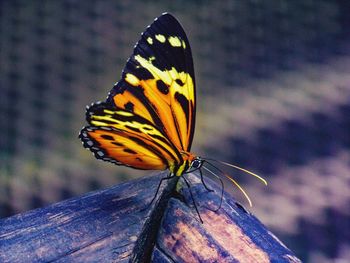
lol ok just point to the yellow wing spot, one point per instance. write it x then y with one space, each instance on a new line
150 40
98 119
132 79
174 41
183 44
99 123
160 38
125 113
174 74
168 75
108 111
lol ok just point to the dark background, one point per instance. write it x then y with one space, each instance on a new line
273 89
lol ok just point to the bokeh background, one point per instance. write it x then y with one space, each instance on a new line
273 87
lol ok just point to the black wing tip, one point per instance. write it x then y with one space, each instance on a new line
166 14
168 18
173 25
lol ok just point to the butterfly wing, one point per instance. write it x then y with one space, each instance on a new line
117 147
123 138
158 81
148 117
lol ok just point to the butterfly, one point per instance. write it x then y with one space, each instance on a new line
148 119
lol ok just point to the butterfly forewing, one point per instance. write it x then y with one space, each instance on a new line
158 81
148 118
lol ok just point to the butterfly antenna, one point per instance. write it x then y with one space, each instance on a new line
222 186
194 202
233 181
239 168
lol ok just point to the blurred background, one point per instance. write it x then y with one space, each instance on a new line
273 87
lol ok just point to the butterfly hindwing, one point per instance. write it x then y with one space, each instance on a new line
124 138
115 146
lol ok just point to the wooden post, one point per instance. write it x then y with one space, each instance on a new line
118 225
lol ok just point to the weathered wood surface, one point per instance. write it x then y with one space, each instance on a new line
116 225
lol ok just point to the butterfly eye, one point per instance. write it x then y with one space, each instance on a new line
196 163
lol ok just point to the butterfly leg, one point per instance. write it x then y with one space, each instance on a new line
204 184
211 190
221 196
169 176
222 185
194 202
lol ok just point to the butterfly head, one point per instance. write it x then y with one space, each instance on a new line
196 163
190 164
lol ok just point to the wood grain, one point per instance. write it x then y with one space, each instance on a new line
118 225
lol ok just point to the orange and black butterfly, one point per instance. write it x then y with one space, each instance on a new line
148 119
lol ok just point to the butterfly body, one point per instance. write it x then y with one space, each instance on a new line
148 119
